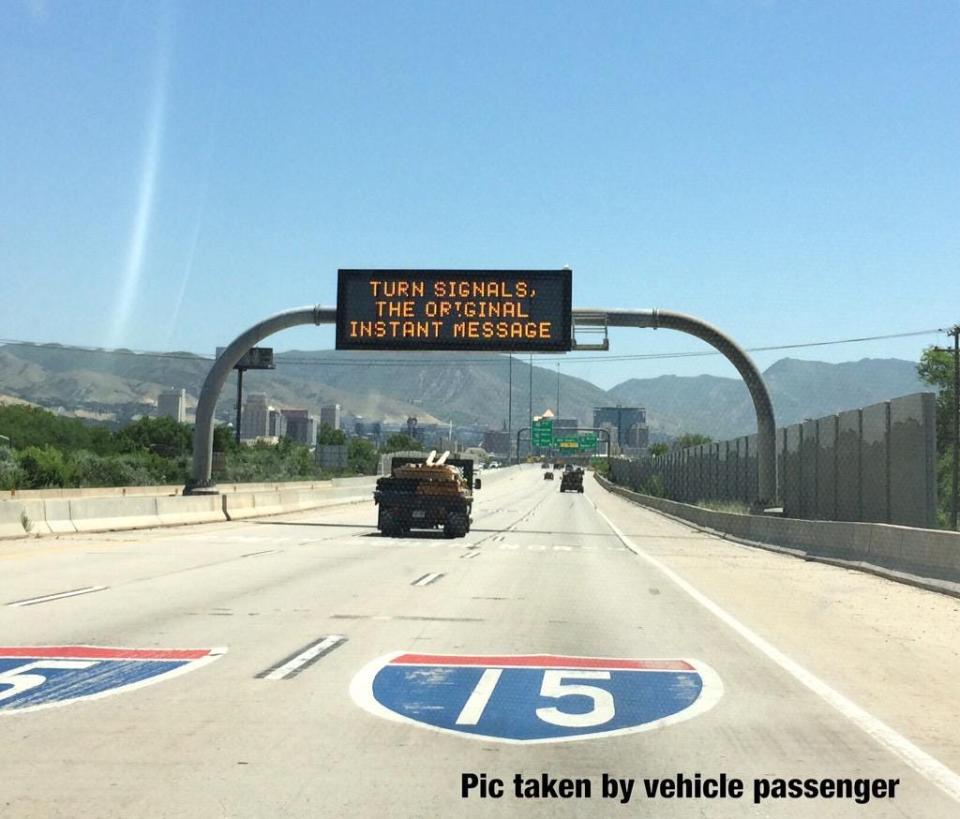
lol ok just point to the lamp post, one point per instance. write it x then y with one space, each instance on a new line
955 501
558 390
510 409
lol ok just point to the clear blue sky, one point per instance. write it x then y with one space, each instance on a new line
172 172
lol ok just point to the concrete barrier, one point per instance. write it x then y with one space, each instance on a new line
54 512
191 509
104 514
929 558
21 518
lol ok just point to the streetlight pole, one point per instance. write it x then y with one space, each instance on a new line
510 409
239 400
530 419
955 500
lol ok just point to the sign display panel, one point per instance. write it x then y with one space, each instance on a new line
256 358
456 310
542 432
588 440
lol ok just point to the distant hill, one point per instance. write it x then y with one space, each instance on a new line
435 387
721 407
441 387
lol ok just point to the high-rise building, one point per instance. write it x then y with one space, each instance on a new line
173 404
301 426
255 420
277 423
330 415
496 441
627 425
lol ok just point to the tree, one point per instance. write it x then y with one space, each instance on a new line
361 457
32 426
692 439
162 436
936 369
42 468
328 436
399 442
659 449
224 439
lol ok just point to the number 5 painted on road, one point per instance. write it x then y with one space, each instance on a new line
20 682
554 686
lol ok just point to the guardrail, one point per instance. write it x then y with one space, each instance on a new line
929 558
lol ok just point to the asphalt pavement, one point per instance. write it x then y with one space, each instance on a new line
336 672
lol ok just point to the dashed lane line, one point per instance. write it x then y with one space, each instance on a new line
47 598
303 659
427 579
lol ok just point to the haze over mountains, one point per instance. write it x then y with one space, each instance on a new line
442 387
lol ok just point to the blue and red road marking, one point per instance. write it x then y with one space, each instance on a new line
33 677
535 697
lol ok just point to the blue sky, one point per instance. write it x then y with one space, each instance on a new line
174 172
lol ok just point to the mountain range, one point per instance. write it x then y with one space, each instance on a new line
118 385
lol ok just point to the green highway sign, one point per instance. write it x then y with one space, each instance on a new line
567 441
576 441
541 434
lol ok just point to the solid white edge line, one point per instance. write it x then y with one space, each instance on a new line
923 763
58 596
304 657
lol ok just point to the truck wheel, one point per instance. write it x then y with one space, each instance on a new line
457 525
387 523
580 490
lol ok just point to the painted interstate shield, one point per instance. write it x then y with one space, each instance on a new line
33 677
535 697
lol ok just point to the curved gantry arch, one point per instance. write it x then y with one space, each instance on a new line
200 482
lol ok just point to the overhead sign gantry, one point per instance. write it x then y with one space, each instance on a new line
482 310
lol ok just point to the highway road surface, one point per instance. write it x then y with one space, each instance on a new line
305 666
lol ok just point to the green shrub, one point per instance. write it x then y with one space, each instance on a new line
43 468
654 487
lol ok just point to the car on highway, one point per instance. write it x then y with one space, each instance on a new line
548 475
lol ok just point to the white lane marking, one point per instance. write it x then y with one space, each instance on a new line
923 763
313 652
427 579
58 596
477 702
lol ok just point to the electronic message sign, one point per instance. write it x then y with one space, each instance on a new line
511 310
